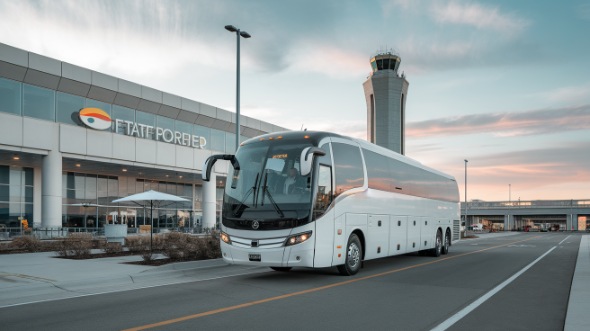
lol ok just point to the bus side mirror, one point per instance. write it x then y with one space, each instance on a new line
206 175
307 161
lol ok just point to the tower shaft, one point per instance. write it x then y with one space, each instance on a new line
386 93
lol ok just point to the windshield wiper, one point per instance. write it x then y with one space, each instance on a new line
266 191
242 206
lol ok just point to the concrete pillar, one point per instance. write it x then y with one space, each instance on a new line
37 196
574 222
51 210
508 222
209 202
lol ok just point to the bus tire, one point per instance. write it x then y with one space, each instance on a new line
446 243
281 269
354 256
437 245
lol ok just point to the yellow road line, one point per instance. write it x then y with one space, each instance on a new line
311 290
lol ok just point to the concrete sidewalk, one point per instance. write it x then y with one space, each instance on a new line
34 277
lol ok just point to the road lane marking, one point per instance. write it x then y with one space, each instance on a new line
311 290
465 311
564 240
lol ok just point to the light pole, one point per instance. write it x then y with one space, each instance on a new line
239 34
466 192
509 193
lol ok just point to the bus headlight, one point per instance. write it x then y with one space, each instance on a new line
225 238
298 238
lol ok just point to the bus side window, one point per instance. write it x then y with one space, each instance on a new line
348 167
324 196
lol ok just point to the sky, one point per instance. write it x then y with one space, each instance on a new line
502 84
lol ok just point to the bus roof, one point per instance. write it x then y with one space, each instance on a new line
315 137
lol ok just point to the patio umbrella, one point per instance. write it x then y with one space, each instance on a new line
151 196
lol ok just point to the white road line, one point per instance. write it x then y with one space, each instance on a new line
564 239
458 316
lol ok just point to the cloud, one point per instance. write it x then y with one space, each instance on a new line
450 35
129 37
555 171
329 60
505 124
533 171
568 94
477 15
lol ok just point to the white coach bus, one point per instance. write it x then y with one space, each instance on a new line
317 199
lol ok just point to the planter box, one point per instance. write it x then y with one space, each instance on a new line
115 233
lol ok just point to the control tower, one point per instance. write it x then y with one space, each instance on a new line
386 93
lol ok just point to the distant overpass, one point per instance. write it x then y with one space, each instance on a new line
535 215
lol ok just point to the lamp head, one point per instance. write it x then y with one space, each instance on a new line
231 28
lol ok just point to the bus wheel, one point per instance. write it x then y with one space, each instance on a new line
282 269
447 243
437 245
354 255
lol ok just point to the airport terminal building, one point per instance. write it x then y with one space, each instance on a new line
72 140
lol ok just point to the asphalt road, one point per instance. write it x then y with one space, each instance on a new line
529 275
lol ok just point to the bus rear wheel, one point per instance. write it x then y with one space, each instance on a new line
282 269
447 243
436 251
354 256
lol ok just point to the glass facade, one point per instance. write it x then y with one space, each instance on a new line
67 106
16 195
87 202
38 102
10 96
217 142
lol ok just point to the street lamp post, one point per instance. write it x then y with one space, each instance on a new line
239 34
466 192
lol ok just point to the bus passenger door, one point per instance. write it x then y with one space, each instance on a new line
398 232
324 219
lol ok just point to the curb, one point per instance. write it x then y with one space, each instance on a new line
577 308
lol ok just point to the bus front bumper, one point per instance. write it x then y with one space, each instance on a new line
300 255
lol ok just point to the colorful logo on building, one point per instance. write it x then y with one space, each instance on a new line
95 118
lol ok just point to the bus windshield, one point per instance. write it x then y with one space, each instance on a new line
268 188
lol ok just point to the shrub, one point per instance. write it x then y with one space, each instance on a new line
181 246
213 250
197 249
136 244
112 248
76 245
26 243
147 255
176 246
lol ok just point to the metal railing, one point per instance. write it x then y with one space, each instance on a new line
527 204
8 233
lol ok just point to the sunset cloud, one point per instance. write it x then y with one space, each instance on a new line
505 124
554 170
